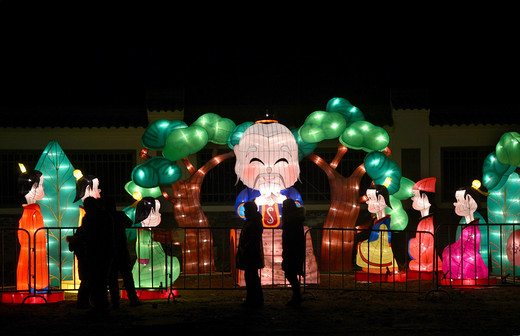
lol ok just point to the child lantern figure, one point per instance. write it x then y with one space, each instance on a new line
375 254
151 269
421 248
462 259
32 271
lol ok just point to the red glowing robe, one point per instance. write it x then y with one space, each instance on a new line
31 221
421 248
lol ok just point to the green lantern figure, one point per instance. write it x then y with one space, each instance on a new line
152 269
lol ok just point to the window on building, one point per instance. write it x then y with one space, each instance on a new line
460 166
114 169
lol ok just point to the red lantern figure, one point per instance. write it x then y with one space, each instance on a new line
422 248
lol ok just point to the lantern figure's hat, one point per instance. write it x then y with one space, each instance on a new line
266 118
427 184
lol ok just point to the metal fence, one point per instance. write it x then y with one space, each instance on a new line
158 263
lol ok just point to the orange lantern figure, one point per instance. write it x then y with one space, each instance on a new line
422 248
33 270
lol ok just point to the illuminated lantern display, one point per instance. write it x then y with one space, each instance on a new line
59 212
267 162
462 260
513 248
33 270
503 202
177 141
421 248
151 269
346 122
375 254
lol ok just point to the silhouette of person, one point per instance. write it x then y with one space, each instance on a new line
293 247
99 239
121 263
250 254
86 186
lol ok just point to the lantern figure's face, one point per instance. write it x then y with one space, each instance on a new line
154 218
464 206
95 191
39 192
420 202
375 204
267 158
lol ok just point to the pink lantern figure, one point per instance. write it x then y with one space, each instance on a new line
462 259
421 248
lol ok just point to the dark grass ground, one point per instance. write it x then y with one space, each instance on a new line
485 311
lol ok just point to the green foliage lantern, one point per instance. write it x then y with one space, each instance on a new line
217 128
383 171
304 148
155 172
237 133
131 188
350 112
508 149
322 125
495 172
399 217
364 136
58 210
182 142
157 133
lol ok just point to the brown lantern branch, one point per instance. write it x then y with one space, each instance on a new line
337 245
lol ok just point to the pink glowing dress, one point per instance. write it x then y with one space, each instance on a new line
462 259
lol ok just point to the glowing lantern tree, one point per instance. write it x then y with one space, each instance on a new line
501 178
58 210
177 141
341 120
346 122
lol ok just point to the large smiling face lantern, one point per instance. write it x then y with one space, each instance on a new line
267 163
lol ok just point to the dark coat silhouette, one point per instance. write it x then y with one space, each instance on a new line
250 255
293 238
293 247
121 263
98 231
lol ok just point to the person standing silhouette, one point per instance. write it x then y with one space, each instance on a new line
293 245
121 263
250 255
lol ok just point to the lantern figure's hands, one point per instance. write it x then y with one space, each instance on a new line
270 199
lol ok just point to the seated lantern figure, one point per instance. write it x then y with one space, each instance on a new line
375 254
421 248
33 270
151 269
462 259
267 163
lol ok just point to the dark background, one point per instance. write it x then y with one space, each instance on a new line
94 53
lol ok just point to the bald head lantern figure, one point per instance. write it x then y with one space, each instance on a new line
267 163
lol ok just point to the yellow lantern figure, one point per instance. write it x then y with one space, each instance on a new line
375 255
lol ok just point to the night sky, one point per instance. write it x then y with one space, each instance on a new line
94 54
